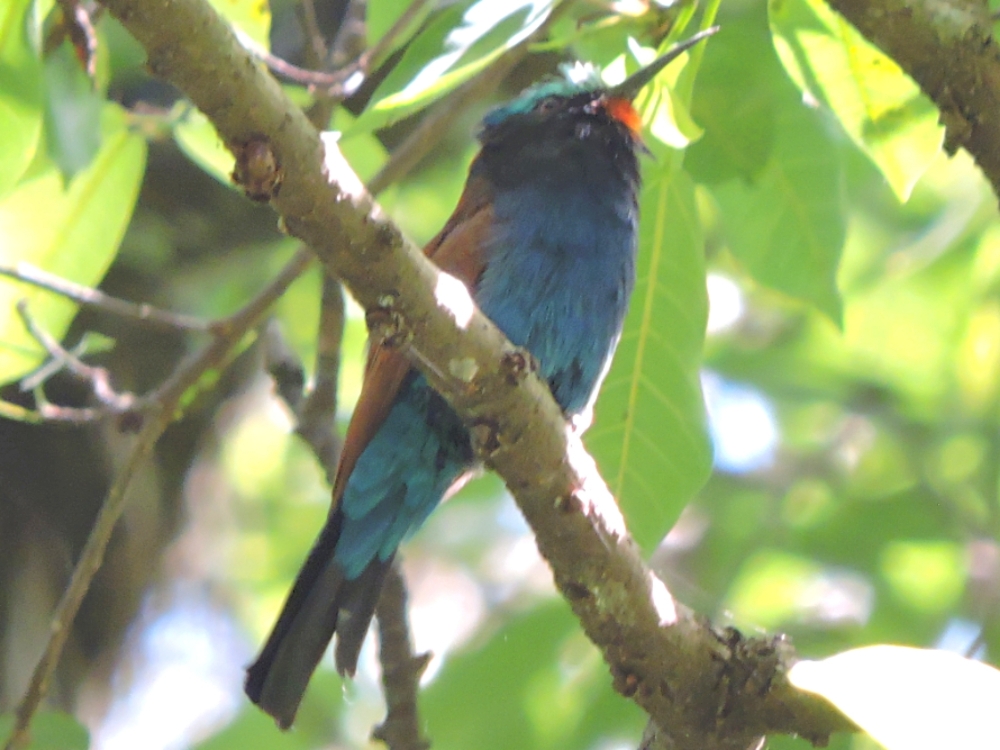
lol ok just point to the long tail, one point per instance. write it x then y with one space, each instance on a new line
322 602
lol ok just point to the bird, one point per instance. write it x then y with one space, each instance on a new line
545 238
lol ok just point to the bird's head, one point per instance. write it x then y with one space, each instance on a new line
575 103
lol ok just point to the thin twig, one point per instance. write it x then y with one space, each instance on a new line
332 81
977 643
94 299
310 27
19 413
97 377
284 367
51 366
78 24
349 41
335 83
401 669
48 413
159 413
318 410
374 55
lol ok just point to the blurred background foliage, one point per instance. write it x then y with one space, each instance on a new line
843 488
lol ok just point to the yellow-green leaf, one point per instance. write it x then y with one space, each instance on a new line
649 435
788 227
21 89
252 17
880 107
70 230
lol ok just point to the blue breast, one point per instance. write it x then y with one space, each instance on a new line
560 269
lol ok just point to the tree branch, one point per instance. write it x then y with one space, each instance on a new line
947 47
95 299
710 689
401 669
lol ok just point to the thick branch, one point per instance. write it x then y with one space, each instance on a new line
711 689
947 46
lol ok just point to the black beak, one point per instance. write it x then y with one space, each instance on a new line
631 86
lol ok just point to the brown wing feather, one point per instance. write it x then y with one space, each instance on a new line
455 249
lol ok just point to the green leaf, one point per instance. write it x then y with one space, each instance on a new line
73 112
21 89
72 231
380 15
54 730
198 138
649 436
506 665
252 17
446 55
770 588
880 107
50 730
536 683
788 227
926 575
909 698
739 83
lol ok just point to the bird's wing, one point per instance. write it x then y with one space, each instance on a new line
457 249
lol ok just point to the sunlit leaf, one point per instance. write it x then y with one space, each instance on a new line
21 89
72 231
788 226
927 575
908 698
649 434
905 331
252 17
880 107
445 55
772 588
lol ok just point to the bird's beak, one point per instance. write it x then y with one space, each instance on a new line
631 86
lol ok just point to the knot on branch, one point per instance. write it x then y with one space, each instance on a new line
515 365
485 438
386 324
257 169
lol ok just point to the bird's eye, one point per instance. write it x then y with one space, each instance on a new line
549 104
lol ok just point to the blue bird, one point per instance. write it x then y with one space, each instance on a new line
544 236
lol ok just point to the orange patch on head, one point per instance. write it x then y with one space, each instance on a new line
623 111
